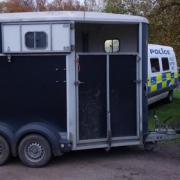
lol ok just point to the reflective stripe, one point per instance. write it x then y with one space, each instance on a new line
164 84
176 75
172 81
168 76
162 81
153 88
159 78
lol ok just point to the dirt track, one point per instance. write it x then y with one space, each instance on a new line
121 163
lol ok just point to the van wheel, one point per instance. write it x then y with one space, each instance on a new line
34 151
4 150
169 98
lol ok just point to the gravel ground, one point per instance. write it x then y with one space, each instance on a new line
121 163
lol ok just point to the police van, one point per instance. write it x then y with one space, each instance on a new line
162 73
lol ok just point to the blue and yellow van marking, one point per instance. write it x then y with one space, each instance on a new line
162 81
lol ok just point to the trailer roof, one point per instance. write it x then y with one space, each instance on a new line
78 16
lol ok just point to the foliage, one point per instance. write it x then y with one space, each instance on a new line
71 5
163 15
22 5
40 5
165 24
164 110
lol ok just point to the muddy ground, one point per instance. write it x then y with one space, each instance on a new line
120 163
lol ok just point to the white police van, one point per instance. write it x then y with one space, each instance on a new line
162 73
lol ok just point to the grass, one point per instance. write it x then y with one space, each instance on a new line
164 111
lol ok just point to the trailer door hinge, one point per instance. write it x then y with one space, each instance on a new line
138 58
72 47
77 83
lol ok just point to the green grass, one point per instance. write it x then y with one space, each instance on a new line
164 110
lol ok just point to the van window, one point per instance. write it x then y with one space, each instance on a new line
154 65
165 64
36 40
112 46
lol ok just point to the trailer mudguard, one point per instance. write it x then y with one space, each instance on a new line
7 132
45 129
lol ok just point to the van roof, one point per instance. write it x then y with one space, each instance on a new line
158 46
79 16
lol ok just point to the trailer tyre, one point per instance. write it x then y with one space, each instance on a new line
34 151
4 150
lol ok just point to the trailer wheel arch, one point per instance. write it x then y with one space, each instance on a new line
45 130
5 150
6 136
7 132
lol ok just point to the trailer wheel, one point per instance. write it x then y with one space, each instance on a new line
4 150
34 151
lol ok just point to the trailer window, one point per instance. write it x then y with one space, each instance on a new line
36 40
112 46
165 64
155 65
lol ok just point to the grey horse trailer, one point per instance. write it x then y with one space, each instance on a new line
72 81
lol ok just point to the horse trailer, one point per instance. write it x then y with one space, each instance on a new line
162 73
72 81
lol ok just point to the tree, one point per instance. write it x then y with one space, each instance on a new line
163 16
133 7
23 6
165 24
40 5
71 5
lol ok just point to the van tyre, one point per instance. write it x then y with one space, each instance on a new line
169 99
34 151
4 150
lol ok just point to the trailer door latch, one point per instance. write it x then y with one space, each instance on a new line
77 83
137 81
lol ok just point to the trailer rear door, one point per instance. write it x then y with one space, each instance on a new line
107 97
